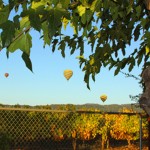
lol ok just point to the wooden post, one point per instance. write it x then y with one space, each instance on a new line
148 133
140 132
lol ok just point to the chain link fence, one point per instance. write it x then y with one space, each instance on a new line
36 129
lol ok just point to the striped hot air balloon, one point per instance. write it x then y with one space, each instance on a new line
6 75
103 97
68 74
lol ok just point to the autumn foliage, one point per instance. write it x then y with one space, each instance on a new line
74 125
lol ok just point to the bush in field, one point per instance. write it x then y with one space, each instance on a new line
104 128
86 126
5 141
145 130
89 126
126 127
61 125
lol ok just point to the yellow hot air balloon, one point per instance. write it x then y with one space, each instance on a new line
68 74
103 97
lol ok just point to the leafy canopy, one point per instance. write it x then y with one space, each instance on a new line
108 26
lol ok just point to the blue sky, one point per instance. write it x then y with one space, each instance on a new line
47 85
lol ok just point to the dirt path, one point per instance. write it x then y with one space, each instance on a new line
133 147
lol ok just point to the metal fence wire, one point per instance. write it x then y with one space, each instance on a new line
36 129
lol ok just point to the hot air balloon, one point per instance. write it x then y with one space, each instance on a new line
6 75
103 97
68 74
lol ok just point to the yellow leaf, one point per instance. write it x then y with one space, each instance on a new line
81 10
92 61
35 5
95 28
65 22
74 29
93 6
98 35
24 22
80 57
147 49
99 14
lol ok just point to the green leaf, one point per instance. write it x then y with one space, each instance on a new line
7 54
121 14
92 39
123 51
1 4
131 67
86 17
27 60
62 47
114 12
129 9
93 76
81 45
35 20
54 43
83 19
132 64
124 62
16 8
137 32
138 10
46 38
65 3
72 45
117 71
55 2
8 33
139 59
84 32
23 43
86 79
143 22
4 14
89 15
54 20
16 22
74 24
24 5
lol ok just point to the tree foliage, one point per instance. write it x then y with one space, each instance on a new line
108 26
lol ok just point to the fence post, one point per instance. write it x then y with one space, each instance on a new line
148 133
140 122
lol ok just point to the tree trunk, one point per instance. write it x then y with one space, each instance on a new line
74 144
103 144
108 143
145 97
129 142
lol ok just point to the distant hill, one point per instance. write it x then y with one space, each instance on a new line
112 107
88 106
106 108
